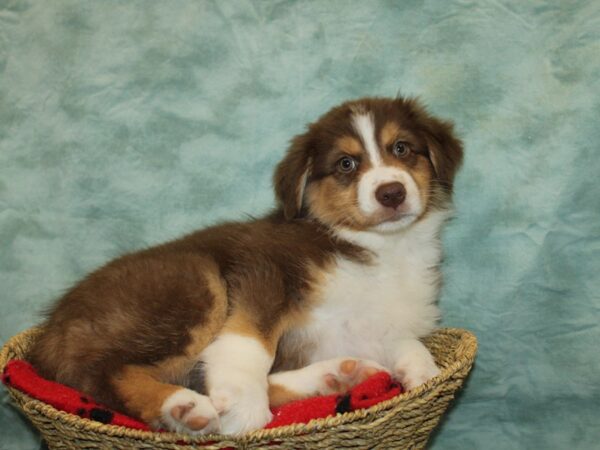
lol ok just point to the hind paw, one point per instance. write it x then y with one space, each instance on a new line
186 411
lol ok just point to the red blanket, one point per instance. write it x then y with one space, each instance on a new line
22 376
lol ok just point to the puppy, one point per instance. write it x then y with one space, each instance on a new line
338 282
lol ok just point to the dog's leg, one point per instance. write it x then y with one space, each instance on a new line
333 376
236 366
164 405
413 365
152 391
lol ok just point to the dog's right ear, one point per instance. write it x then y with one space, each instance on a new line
291 176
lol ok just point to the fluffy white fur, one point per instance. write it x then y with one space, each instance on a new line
365 127
413 365
379 311
236 369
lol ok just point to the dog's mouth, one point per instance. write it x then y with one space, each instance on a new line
394 218
402 212
400 217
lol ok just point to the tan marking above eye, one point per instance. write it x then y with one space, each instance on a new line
389 133
349 145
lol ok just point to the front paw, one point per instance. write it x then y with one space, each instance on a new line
414 370
342 374
241 409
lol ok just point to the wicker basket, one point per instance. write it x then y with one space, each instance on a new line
405 421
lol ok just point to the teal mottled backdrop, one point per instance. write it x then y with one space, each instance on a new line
124 124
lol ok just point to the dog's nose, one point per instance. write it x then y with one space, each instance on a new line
390 195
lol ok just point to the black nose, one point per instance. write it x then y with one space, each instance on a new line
390 195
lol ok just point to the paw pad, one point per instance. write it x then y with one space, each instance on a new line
348 366
347 373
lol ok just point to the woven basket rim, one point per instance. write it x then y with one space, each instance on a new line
30 404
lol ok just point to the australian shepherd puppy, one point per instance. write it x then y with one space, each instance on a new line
338 282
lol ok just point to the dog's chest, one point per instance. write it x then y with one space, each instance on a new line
365 308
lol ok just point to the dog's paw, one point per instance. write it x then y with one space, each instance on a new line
241 409
340 375
186 411
414 369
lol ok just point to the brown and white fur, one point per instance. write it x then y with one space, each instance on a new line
338 282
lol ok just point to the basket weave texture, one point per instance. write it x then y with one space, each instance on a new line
405 421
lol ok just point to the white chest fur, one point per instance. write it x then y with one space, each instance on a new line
366 309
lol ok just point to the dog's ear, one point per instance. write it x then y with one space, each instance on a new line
445 151
291 176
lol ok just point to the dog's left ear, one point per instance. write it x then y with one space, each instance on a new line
292 175
445 151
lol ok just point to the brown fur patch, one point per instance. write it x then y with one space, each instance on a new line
349 145
422 176
142 393
246 322
293 351
242 323
334 204
389 133
140 310
291 176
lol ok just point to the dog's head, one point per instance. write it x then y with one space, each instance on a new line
371 164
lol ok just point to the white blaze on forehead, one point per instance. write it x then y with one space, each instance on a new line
380 174
365 127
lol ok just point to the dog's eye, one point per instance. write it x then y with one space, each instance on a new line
346 164
401 149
